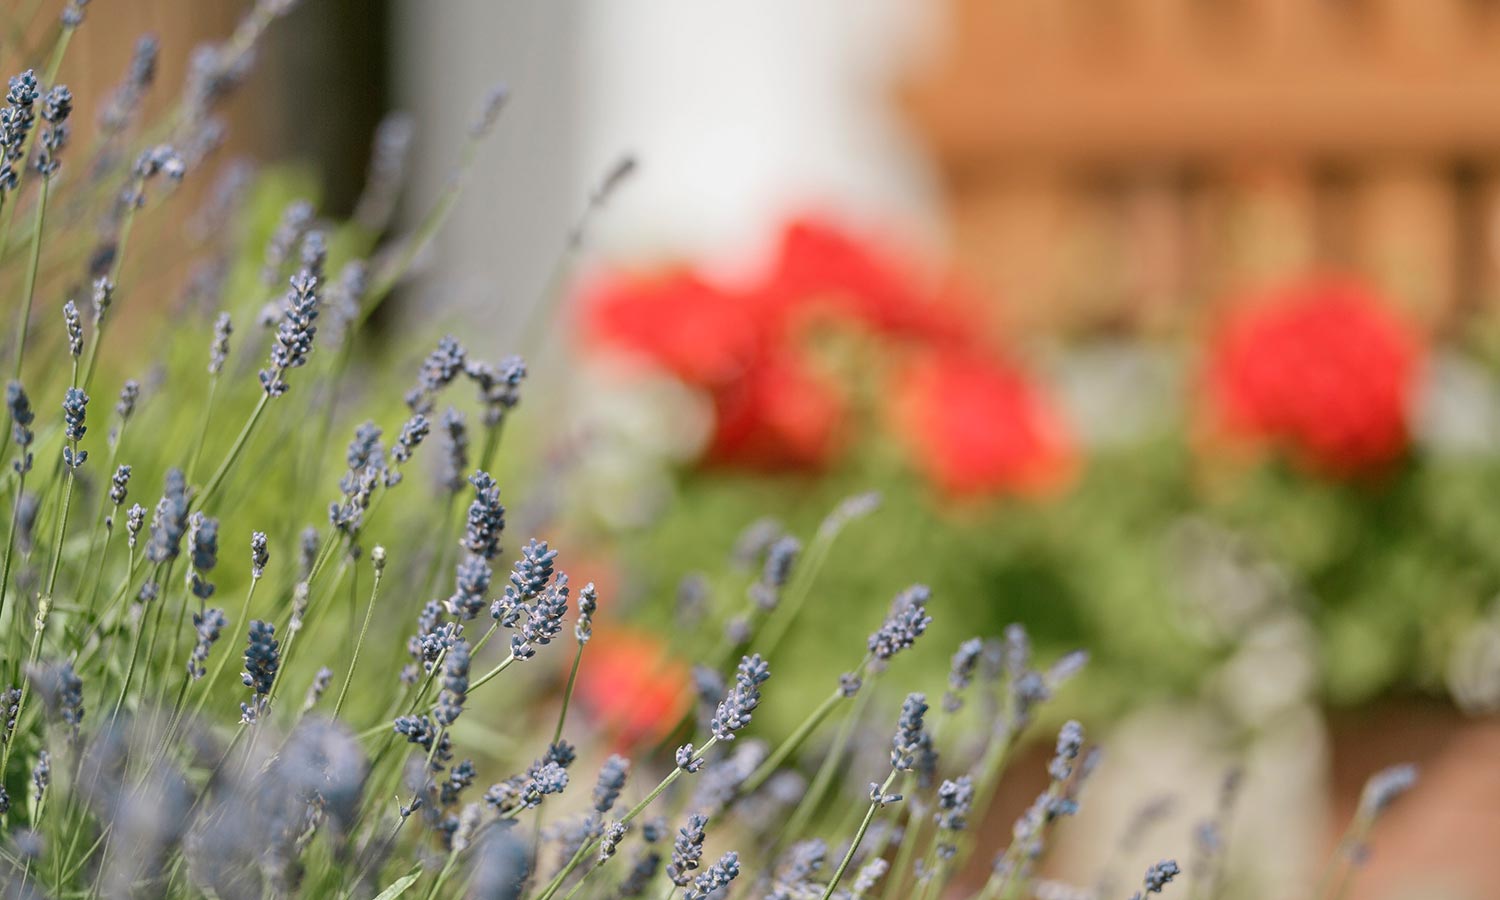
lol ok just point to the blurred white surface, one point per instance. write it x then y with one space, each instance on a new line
740 113
743 112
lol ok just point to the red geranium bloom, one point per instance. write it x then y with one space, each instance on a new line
1319 368
820 267
780 415
978 425
630 684
742 344
702 333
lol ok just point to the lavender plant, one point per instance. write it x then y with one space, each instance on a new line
132 763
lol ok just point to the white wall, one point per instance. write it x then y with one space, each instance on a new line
739 113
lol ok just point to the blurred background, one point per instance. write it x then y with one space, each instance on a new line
1167 327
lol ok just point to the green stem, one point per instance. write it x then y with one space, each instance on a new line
135 648
62 527
786 614
864 826
39 625
99 516
10 543
790 745
831 763
208 411
447 870
491 446
562 715
29 292
359 643
234 452
218 670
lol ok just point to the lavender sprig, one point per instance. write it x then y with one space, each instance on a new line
294 334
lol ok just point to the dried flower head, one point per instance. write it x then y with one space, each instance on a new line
218 351
73 323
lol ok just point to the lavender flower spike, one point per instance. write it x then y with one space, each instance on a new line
733 712
294 336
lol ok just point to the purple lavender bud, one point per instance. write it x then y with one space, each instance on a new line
73 323
203 549
420 730
56 107
21 417
321 680
486 518
439 369
294 335
499 386
455 684
75 409
961 672
119 485
169 522
135 519
471 582
718 877
208 624
777 571
1159 876
104 295
609 842
262 659
41 774
454 432
687 850
734 711
130 393
588 603
260 555
218 351
686 761
61 690
1069 745
489 111
907 622
611 782
296 219
1384 787
908 742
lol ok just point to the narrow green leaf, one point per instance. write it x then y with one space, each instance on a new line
399 886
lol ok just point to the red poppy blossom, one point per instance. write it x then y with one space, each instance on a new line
978 425
1319 368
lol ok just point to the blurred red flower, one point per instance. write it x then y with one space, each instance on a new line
781 415
978 425
823 269
631 685
982 425
1320 368
703 333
